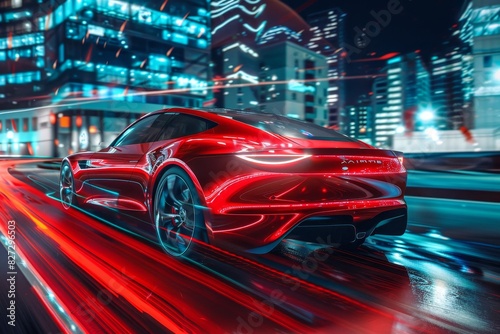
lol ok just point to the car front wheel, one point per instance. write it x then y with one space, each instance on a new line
67 186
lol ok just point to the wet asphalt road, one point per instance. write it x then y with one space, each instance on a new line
442 276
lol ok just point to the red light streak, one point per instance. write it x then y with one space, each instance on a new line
124 24
183 19
47 21
163 5
384 57
88 57
9 40
237 68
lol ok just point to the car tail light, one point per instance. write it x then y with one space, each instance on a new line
400 157
273 159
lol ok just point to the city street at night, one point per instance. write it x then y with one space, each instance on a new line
82 272
250 166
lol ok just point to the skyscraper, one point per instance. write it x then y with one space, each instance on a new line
399 96
485 27
293 85
236 27
239 28
360 120
448 100
327 29
74 73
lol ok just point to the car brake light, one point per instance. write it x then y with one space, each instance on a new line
273 159
400 157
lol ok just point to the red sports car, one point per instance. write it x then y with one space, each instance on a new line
246 179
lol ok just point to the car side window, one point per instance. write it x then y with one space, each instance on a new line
144 131
185 125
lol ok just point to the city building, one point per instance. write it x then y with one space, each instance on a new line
236 27
485 26
448 106
327 28
360 120
399 97
239 30
236 76
467 40
478 126
74 73
293 82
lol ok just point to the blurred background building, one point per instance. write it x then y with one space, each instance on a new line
327 28
485 21
295 82
74 73
361 120
465 111
402 90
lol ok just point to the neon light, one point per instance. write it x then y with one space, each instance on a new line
222 25
232 46
245 76
255 30
218 12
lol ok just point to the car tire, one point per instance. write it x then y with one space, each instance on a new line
178 216
67 186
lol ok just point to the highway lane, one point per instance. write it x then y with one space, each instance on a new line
423 282
458 180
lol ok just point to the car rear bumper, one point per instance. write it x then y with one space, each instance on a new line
261 233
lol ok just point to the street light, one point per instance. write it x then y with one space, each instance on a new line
426 115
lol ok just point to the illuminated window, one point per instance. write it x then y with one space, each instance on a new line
26 125
16 3
17 16
59 15
68 8
64 121
159 63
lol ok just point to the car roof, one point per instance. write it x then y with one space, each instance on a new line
217 114
221 112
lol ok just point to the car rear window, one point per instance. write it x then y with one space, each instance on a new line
288 127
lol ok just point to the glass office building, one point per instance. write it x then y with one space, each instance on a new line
74 73
327 28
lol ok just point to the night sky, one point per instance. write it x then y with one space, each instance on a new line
421 25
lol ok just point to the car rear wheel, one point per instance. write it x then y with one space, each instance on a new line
67 186
177 212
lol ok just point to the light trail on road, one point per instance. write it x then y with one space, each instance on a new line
107 280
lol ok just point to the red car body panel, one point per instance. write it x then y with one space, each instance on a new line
257 187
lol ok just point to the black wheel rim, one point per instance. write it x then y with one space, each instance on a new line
175 215
66 186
